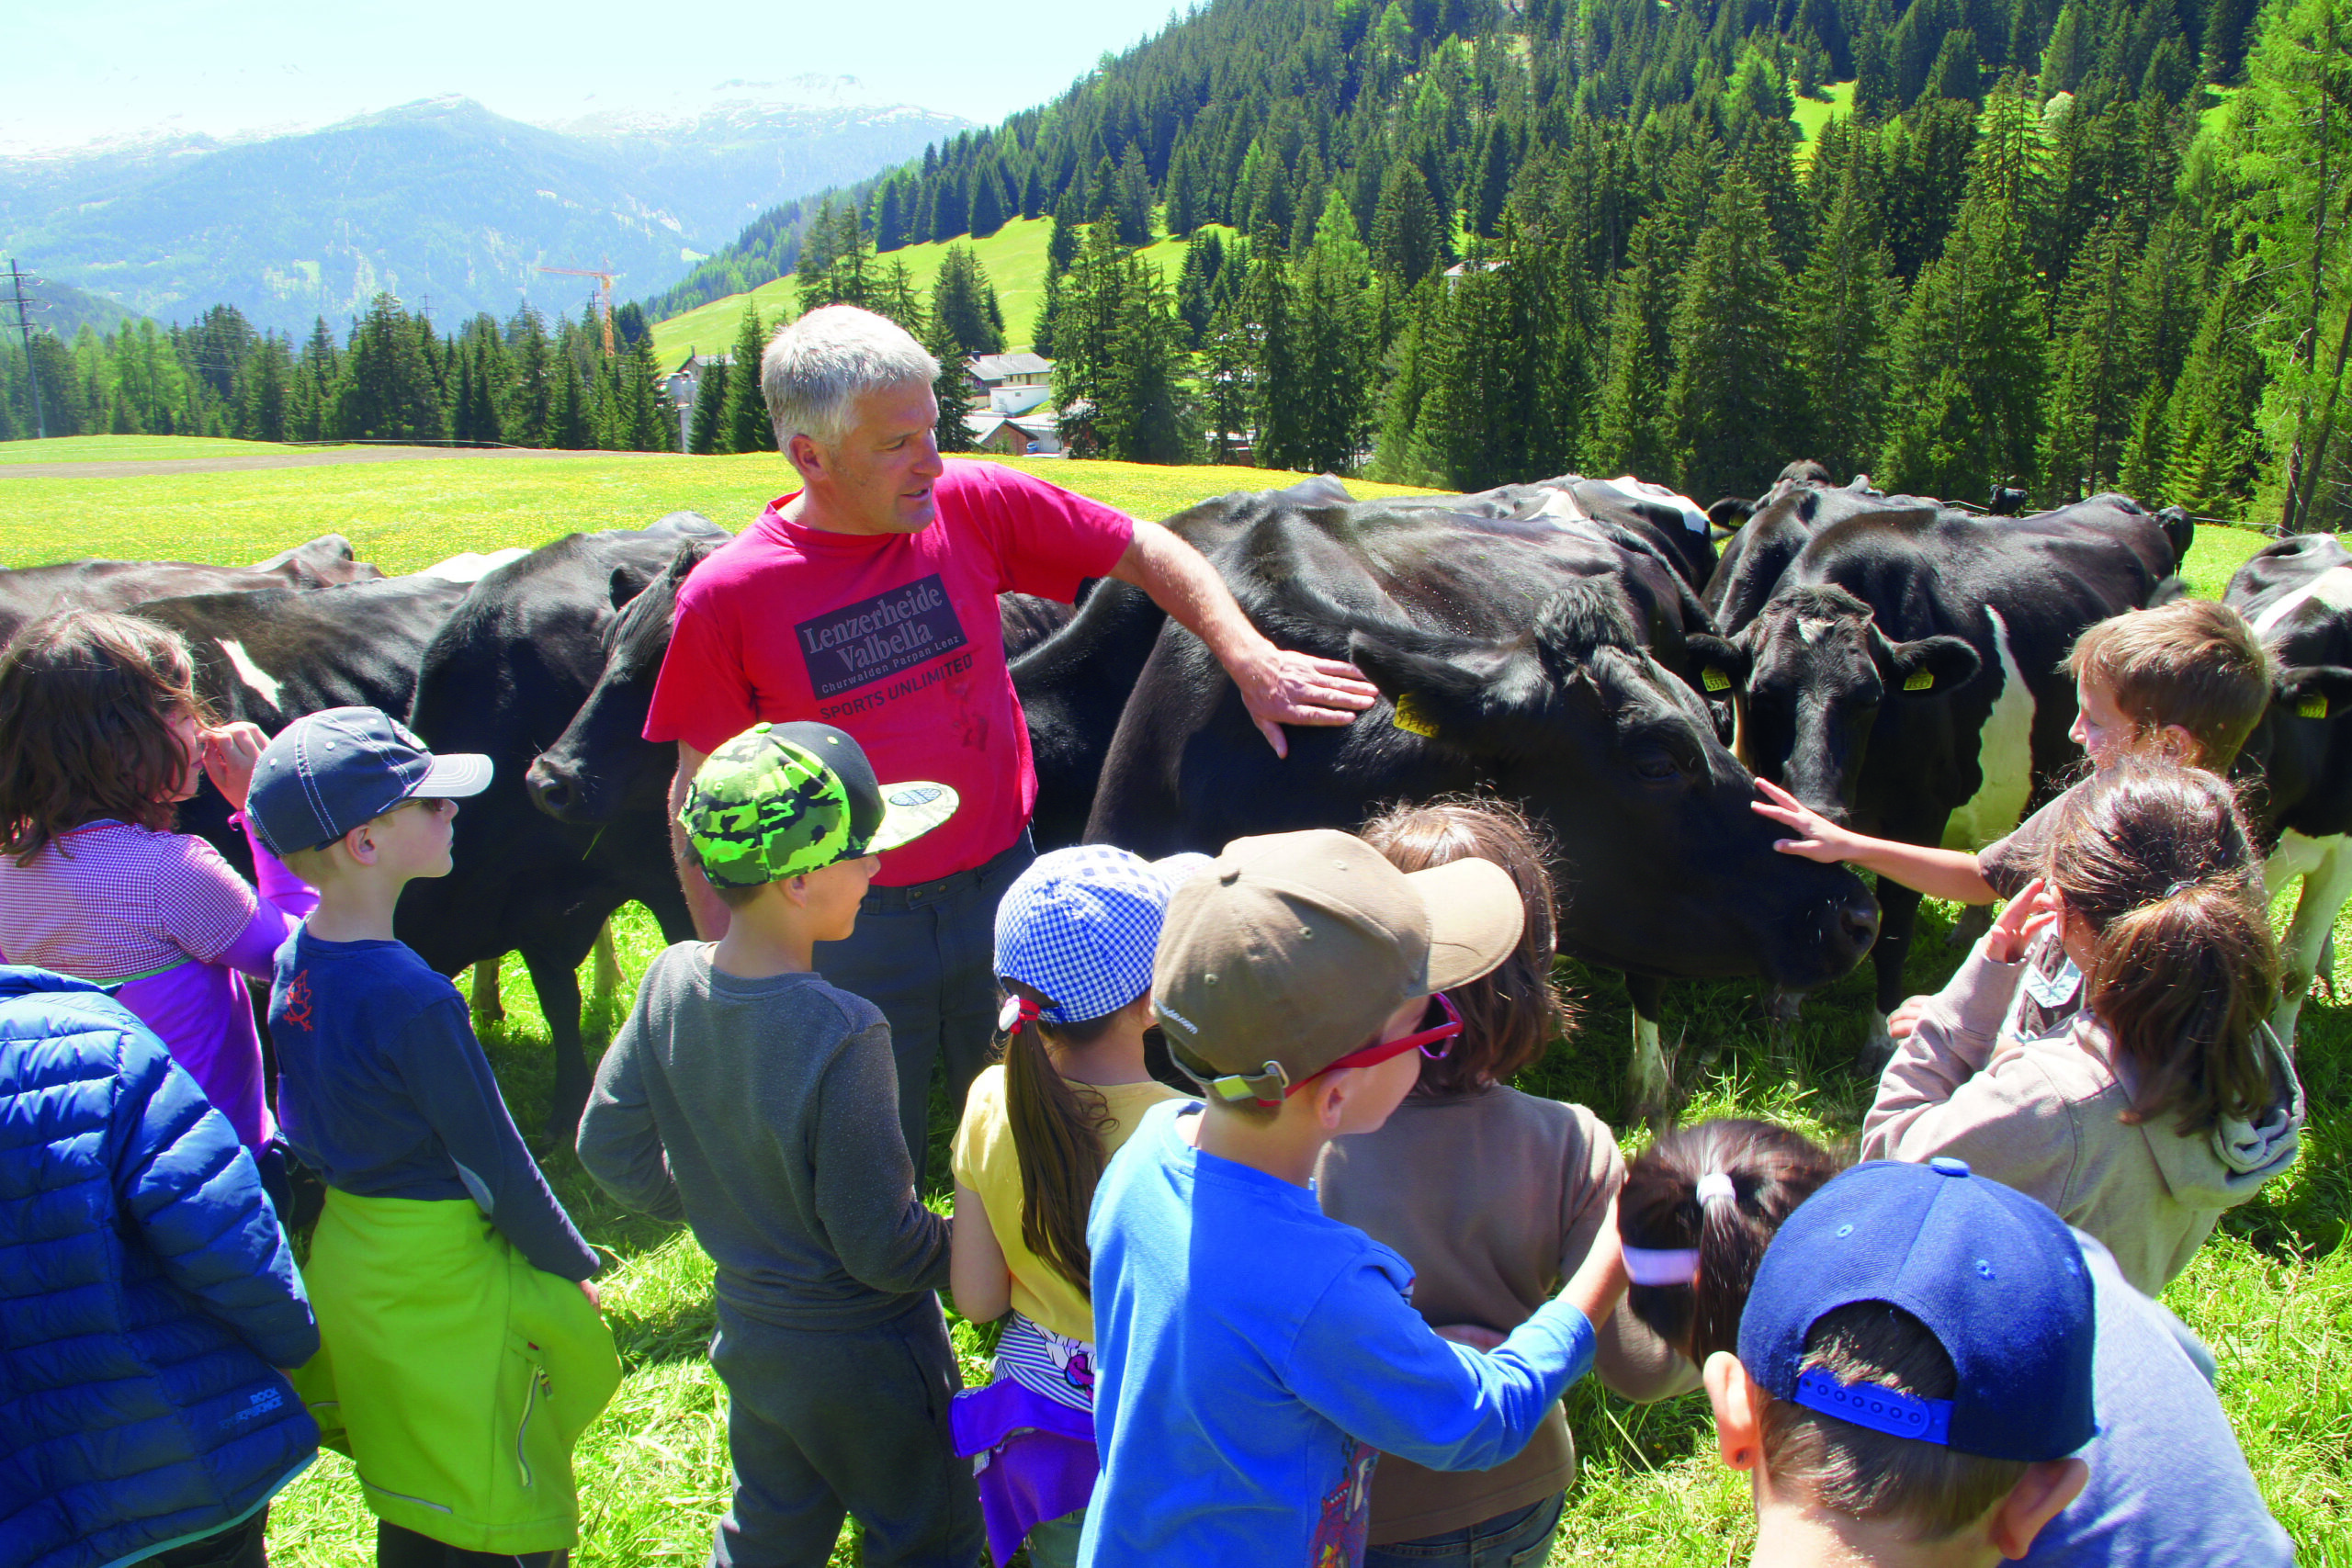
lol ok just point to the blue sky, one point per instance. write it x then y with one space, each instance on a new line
91 69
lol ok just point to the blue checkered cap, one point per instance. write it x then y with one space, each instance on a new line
1082 926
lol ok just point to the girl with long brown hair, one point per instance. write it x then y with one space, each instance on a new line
2167 1099
1074 940
101 737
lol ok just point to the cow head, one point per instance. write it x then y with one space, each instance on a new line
602 764
1577 720
1809 677
2309 717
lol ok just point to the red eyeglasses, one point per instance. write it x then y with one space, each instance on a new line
1379 1051
1272 1086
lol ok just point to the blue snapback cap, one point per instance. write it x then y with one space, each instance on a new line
1082 926
1994 1276
328 772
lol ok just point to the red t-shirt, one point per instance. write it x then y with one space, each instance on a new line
894 638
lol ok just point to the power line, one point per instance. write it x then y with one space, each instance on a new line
18 278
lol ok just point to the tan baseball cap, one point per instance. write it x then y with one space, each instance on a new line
1291 950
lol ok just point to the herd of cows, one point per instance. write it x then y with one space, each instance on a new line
1593 649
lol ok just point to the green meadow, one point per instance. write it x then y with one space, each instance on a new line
2271 1293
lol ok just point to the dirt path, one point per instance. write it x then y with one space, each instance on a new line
129 468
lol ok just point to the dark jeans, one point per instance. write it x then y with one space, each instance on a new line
1521 1539
821 1424
399 1548
926 956
239 1546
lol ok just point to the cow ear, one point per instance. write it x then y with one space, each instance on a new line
1932 666
626 583
2312 691
1723 665
1452 698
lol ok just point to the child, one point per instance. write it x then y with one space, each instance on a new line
2167 1099
1075 937
760 1104
1255 1354
1494 1197
445 1339
2186 681
2167 1481
101 737
148 1295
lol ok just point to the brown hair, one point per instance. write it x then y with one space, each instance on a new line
1057 1128
2156 860
86 699
1865 1474
1511 1015
1773 1171
2193 663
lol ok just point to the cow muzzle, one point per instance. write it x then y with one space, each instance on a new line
556 791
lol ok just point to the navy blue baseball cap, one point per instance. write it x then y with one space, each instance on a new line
328 772
1994 1275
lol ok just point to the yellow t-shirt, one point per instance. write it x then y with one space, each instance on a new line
985 1161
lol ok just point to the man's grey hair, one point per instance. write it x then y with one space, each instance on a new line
816 368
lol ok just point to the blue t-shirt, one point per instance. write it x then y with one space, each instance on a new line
383 1090
1253 1357
2168 1482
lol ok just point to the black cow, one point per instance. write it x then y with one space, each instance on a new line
1532 659
2006 501
503 676
27 593
1906 676
2297 594
1779 527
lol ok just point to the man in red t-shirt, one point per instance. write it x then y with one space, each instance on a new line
868 601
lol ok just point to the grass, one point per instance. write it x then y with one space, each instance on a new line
1013 257
2271 1293
405 516
131 448
1813 115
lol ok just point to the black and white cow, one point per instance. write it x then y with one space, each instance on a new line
1536 659
1751 565
1907 677
27 593
2297 594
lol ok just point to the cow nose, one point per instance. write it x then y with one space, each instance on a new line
551 791
1856 920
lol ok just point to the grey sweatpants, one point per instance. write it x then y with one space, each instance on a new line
926 956
824 1423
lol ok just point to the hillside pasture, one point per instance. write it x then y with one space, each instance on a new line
2271 1293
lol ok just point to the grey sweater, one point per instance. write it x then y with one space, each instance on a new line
766 1115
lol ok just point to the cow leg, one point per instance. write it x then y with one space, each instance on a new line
2326 868
555 976
606 979
488 1008
1898 914
1649 1078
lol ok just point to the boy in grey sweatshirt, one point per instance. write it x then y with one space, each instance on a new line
760 1104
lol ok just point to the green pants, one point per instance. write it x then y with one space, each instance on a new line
455 1374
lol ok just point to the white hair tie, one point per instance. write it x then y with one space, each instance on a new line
1713 1185
1660 1265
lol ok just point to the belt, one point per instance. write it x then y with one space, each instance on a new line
888 900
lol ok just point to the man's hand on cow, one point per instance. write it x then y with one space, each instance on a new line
1819 838
1281 687
230 753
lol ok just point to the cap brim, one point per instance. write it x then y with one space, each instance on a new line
909 811
452 776
1476 919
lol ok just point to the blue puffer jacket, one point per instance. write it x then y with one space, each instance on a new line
146 1291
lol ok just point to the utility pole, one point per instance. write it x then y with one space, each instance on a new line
25 328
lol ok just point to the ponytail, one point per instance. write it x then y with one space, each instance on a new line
1718 1191
1056 1136
2184 968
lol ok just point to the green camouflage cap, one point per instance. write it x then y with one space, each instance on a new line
781 800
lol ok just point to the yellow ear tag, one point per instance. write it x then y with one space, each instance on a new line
1409 718
1714 679
2313 705
1918 681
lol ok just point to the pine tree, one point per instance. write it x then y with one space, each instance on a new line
746 415
531 401
1630 429
963 302
708 430
571 422
2093 388
1408 232
1843 304
1183 212
1727 404
1061 244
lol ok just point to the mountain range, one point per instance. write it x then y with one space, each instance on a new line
442 201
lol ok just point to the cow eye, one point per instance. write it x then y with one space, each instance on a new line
1657 767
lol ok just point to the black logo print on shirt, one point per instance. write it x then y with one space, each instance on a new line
863 642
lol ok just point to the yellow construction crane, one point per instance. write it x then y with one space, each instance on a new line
604 292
